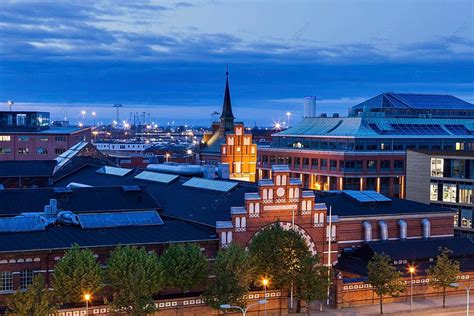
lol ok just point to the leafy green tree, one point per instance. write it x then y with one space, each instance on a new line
384 278
278 254
312 281
443 272
78 272
133 277
233 276
183 266
36 300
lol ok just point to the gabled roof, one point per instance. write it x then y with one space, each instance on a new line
415 101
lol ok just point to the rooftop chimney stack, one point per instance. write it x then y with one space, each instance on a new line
309 107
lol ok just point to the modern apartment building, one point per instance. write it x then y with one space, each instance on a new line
443 178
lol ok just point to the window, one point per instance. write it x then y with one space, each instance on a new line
23 151
314 163
5 151
23 138
43 138
283 180
278 180
437 167
371 165
21 119
385 165
251 208
398 165
6 281
465 194
433 192
26 278
41 151
60 138
457 168
59 151
5 138
449 193
223 150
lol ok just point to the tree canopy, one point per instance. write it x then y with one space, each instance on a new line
444 272
183 266
384 278
278 254
36 300
233 275
133 277
77 273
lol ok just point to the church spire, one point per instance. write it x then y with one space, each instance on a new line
227 117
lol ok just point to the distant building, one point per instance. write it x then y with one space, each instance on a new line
29 136
443 178
229 142
366 151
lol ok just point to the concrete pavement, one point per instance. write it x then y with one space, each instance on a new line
455 305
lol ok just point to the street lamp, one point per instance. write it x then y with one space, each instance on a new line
167 155
468 290
93 116
288 114
411 269
265 283
244 311
10 103
83 114
87 298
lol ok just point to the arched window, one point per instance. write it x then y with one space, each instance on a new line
223 238
229 237
265 194
291 193
270 194
237 222
251 208
283 181
297 193
257 208
303 205
278 180
243 222
321 218
333 235
316 218
308 205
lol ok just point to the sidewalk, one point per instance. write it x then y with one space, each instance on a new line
455 305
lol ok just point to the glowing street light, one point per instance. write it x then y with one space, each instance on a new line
10 104
167 157
265 283
189 152
288 114
277 126
87 298
411 270
83 114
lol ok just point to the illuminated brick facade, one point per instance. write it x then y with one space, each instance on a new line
241 154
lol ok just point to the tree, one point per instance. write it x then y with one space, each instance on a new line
312 281
233 276
133 277
278 253
444 272
383 277
183 266
78 272
36 300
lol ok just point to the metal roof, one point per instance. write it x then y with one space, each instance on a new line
156 176
20 224
208 184
381 127
102 220
66 156
113 171
415 101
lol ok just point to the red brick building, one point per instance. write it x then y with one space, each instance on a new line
29 136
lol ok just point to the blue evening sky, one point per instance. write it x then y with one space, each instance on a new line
169 58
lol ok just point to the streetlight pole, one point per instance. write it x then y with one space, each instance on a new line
265 283
412 272
468 290
329 253
244 311
288 114
10 104
87 298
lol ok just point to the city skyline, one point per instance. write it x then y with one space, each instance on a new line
171 57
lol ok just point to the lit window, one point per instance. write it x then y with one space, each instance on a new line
41 151
5 151
5 138
449 193
465 194
437 165
433 192
23 151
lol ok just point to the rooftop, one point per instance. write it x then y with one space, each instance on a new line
27 168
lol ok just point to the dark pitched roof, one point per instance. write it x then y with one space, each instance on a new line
227 106
415 101
65 236
27 168
91 199
194 204
344 206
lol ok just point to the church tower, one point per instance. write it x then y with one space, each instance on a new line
227 117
